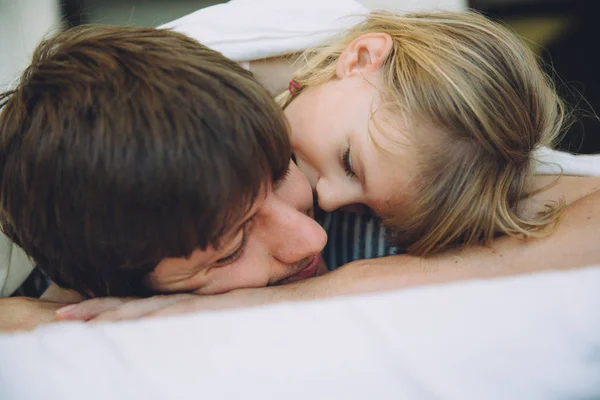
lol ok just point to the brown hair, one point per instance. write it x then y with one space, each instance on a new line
477 83
122 146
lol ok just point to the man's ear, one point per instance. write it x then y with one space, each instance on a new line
364 55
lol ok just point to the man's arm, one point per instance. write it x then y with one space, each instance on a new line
24 313
573 245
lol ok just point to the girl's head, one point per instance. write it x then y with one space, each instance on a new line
429 119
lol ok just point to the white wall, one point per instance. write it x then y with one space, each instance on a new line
23 23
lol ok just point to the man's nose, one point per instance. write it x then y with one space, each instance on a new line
332 196
292 235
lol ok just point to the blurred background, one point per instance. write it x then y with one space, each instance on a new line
563 32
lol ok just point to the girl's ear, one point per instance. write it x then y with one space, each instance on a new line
364 55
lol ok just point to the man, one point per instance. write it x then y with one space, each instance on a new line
162 256
136 161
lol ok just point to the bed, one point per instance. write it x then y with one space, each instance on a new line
529 337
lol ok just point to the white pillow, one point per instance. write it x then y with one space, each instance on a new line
253 29
246 30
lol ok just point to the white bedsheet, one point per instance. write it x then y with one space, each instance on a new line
530 337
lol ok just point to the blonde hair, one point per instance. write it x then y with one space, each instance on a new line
478 83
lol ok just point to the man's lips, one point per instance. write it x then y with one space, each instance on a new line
308 271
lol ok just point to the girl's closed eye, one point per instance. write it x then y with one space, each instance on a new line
346 160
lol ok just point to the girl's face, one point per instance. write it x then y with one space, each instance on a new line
337 129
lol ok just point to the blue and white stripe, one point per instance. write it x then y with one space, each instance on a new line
352 237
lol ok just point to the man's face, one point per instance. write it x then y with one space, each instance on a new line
276 242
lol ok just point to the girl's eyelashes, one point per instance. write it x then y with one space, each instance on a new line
239 251
346 160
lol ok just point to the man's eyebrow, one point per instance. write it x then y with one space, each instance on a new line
248 218
237 229
254 210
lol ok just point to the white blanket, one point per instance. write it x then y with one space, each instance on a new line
530 337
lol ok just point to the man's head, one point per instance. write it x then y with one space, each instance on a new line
123 147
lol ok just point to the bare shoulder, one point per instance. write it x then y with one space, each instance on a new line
57 294
274 73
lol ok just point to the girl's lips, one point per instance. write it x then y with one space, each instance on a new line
307 272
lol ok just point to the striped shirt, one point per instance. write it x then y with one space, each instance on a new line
351 237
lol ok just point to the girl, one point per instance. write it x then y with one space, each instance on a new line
432 121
